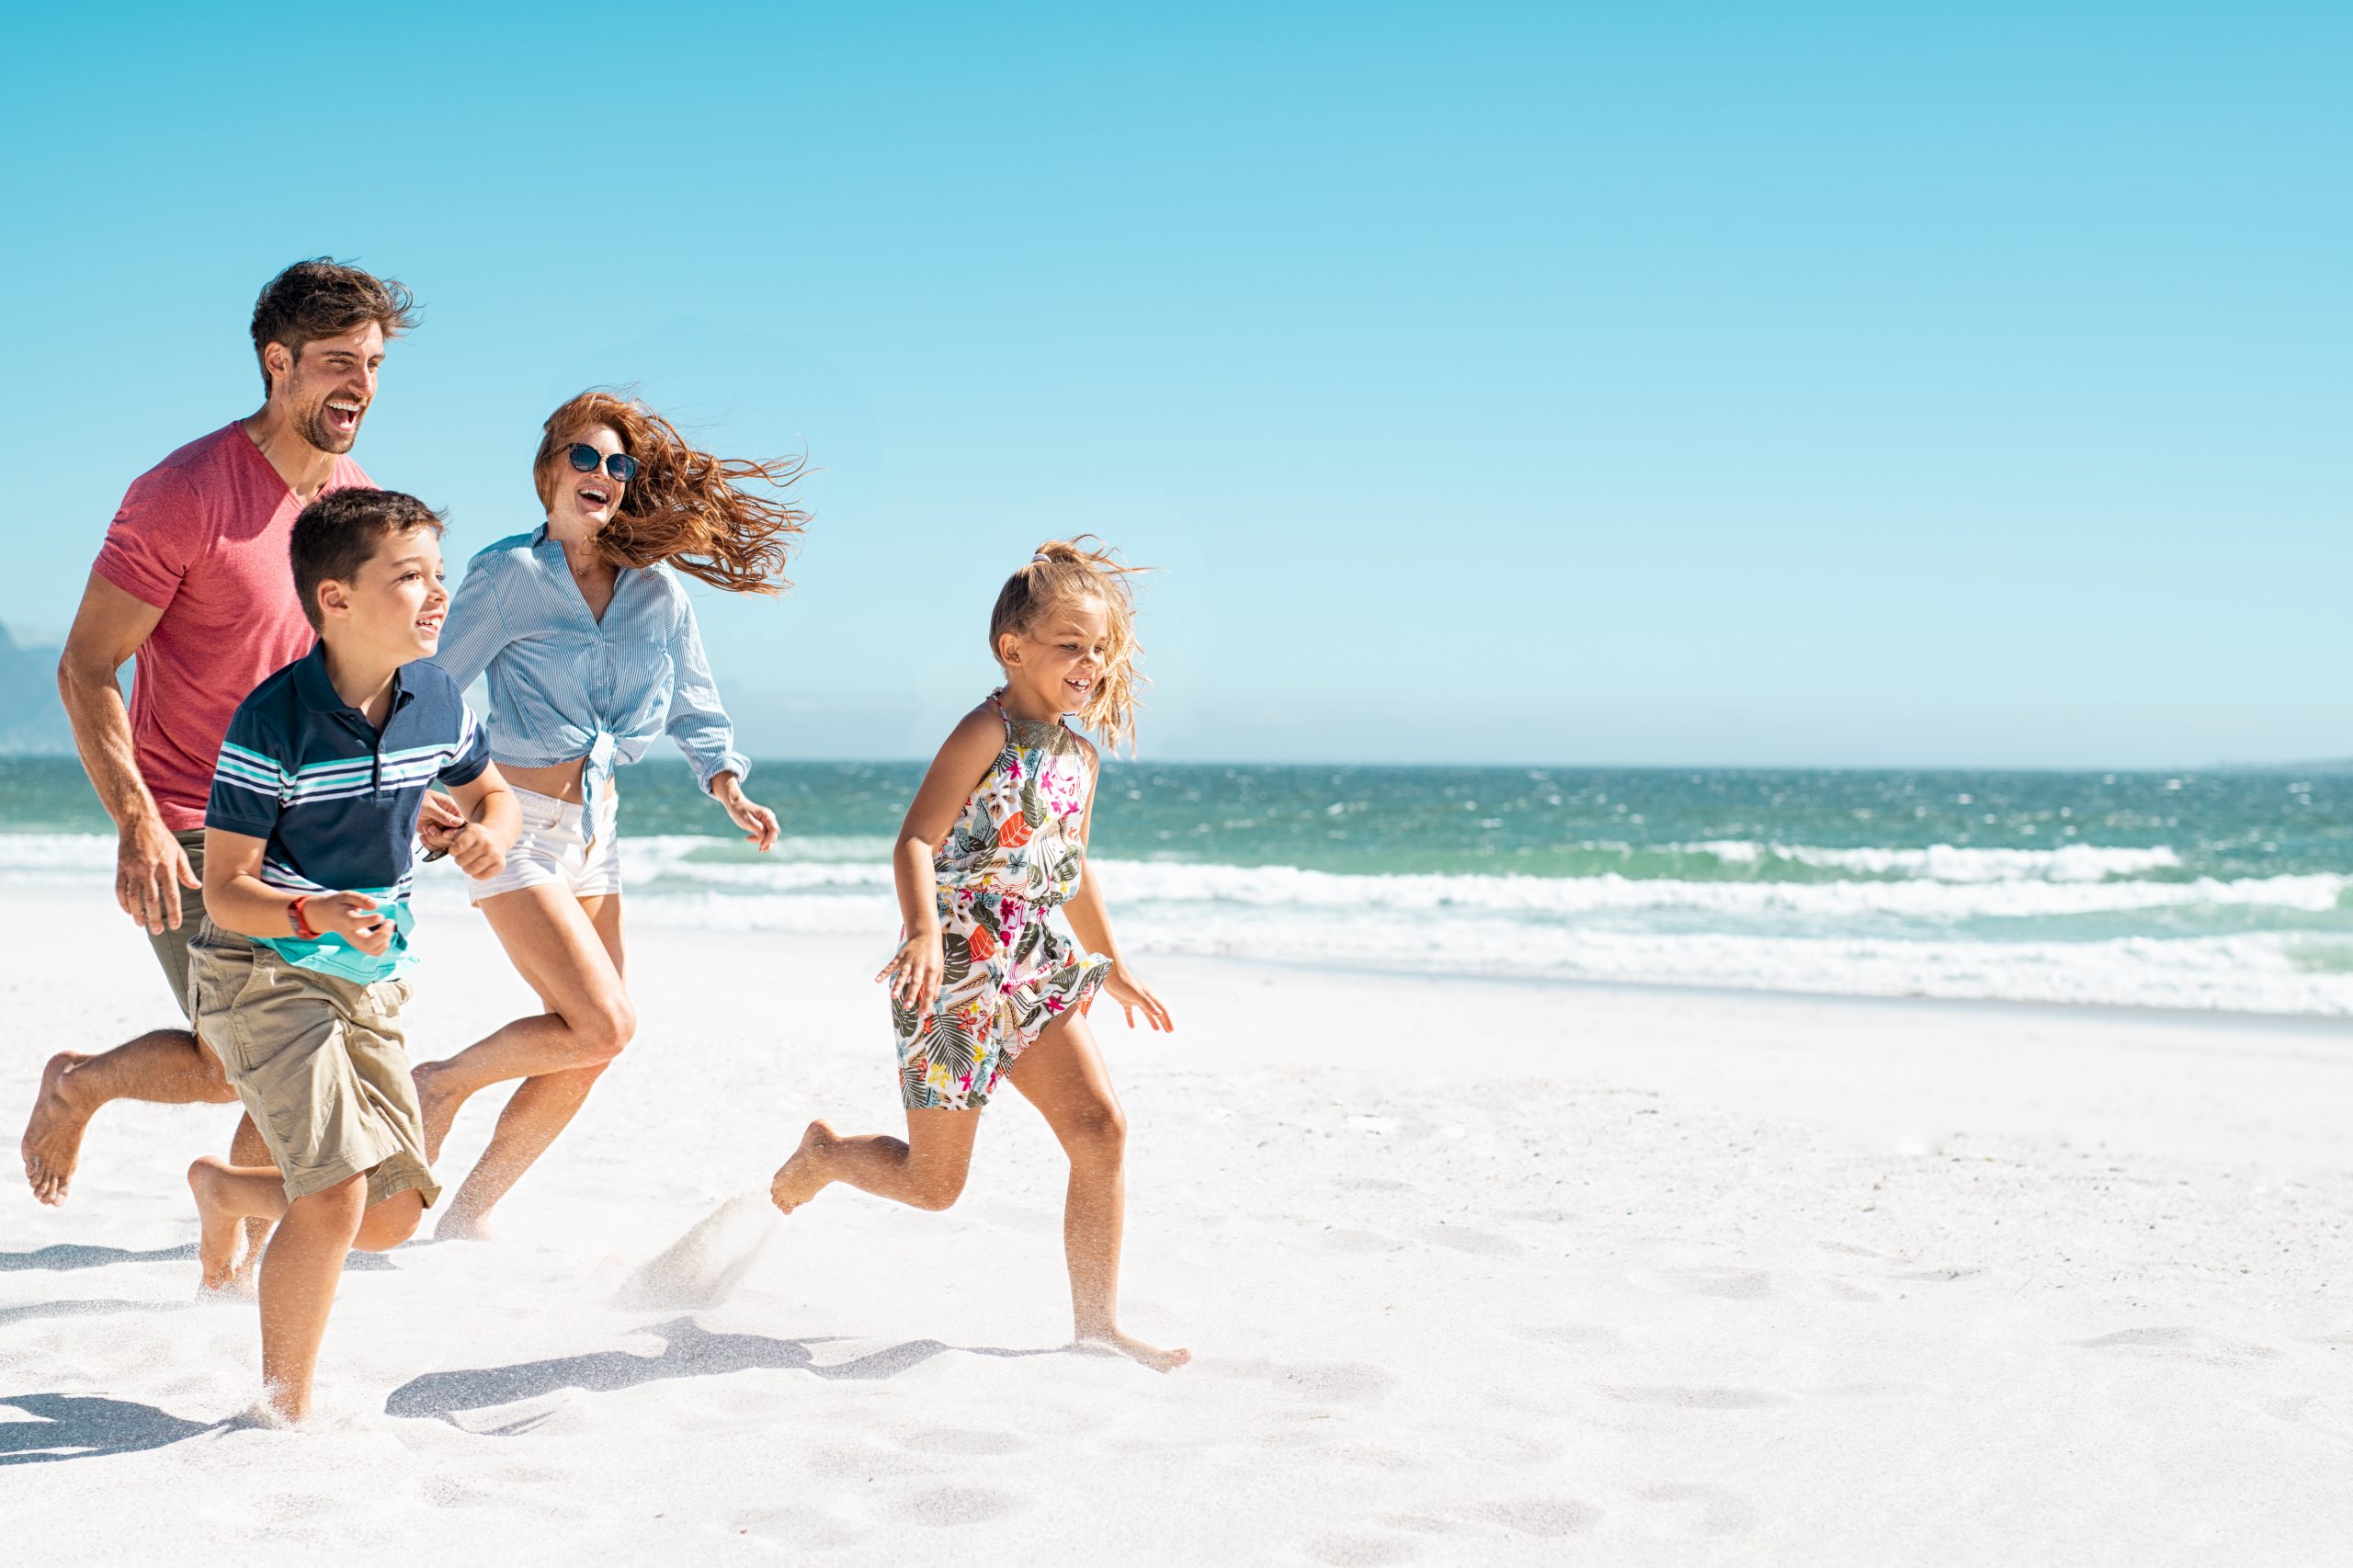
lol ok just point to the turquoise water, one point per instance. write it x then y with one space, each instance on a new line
2200 889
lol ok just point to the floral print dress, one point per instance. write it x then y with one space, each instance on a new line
1014 856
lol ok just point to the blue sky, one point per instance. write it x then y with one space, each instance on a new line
1559 383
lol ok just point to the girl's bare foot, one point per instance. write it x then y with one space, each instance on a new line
1111 1342
802 1177
53 1142
437 1103
216 1243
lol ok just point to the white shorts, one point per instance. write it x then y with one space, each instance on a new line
552 851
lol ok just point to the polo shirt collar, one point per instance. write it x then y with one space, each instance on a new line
319 694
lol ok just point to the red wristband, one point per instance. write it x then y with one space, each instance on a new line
300 921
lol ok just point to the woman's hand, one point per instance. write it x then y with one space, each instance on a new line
477 851
1131 993
757 821
915 972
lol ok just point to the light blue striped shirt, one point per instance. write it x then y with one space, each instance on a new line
563 685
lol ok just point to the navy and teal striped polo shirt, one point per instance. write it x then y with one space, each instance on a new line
336 801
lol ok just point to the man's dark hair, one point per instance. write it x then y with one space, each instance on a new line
323 298
337 534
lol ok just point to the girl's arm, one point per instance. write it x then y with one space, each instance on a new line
237 899
703 733
1090 922
914 970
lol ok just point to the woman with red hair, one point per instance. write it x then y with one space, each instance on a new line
588 639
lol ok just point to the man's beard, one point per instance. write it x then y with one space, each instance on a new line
314 428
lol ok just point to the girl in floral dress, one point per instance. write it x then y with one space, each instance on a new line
984 989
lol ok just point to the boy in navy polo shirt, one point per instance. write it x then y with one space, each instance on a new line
293 979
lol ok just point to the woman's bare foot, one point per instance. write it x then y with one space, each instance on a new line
53 1142
216 1243
1111 1342
802 1177
437 1103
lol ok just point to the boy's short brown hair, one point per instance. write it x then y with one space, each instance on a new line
324 298
340 532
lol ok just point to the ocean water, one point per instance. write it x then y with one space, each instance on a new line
2208 890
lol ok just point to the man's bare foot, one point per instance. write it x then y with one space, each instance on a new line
802 1177
216 1243
1111 1342
438 1102
53 1142
458 1225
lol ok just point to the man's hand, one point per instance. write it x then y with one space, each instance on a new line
354 916
150 868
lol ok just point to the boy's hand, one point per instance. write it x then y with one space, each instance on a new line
439 823
1131 993
354 916
915 972
477 851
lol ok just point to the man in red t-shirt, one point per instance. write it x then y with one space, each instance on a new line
194 583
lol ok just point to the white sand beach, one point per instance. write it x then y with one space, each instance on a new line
1474 1272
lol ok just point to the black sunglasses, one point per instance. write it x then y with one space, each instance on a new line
621 465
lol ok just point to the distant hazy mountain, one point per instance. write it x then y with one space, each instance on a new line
32 722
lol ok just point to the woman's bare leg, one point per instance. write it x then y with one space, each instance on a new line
926 1170
570 952
1064 1077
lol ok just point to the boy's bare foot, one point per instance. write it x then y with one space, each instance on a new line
458 1225
216 1243
52 1143
1111 1342
802 1177
437 1103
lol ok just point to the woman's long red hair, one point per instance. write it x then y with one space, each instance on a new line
686 506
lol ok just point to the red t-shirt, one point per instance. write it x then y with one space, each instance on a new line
202 536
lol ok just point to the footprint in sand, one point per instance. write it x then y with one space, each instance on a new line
1539 1516
1568 1336
961 1440
1708 1509
1694 1398
1731 1284
1347 1381
2182 1344
1355 1551
947 1507
1461 1238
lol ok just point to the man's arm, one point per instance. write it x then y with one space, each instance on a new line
150 867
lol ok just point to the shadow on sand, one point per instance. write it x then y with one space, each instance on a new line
71 1427
688 1351
64 1255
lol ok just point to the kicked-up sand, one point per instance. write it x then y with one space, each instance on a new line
1473 1272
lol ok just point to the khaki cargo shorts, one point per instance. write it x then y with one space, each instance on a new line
318 1062
171 942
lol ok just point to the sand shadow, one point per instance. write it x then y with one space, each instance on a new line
71 1427
689 1350
64 1255
82 1309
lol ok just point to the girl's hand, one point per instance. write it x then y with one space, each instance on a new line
915 972
757 821
352 915
1131 993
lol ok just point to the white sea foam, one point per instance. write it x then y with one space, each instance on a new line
1953 863
2042 926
